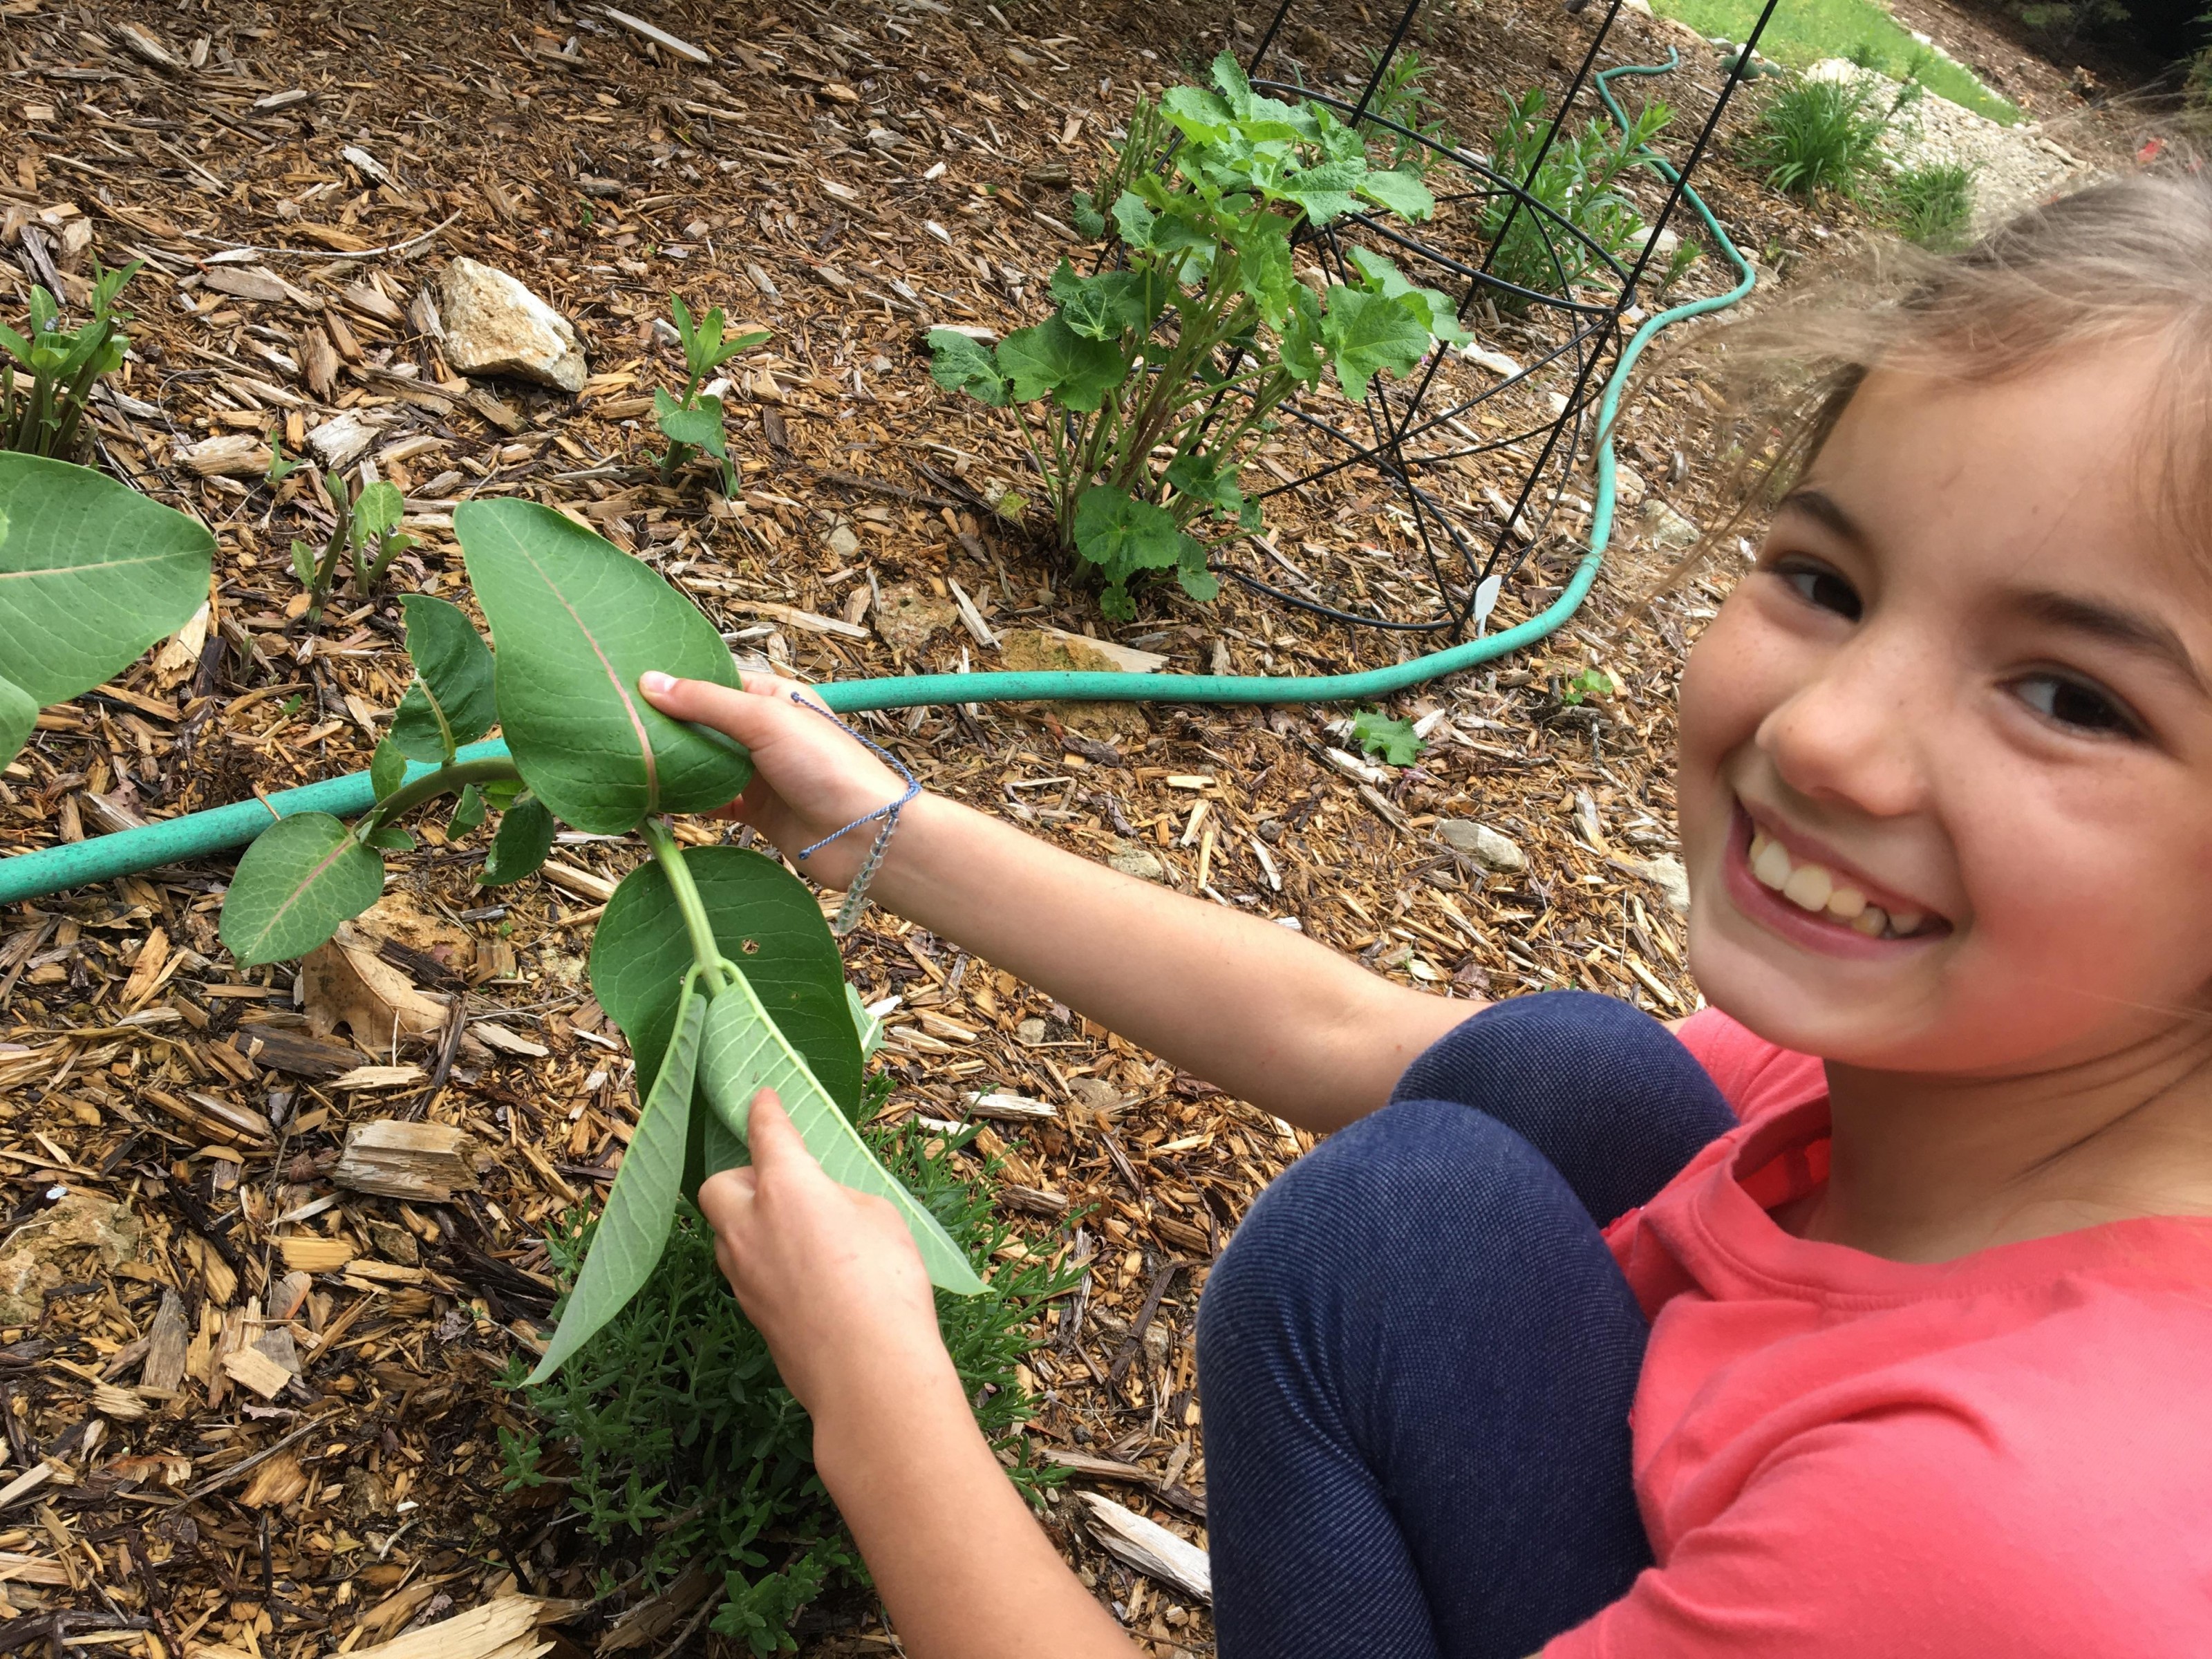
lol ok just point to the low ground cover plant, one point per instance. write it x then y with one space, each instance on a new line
1141 396
1579 182
1931 204
680 1448
91 573
717 964
47 375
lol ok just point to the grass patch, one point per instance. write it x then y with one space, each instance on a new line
1932 205
1818 135
1804 31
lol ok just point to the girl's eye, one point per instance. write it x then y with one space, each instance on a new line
2070 703
1819 585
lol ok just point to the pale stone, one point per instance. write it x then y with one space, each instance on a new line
494 325
1132 859
48 1251
1667 528
1483 844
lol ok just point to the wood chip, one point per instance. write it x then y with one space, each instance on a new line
661 38
379 1077
251 1368
311 1254
1148 1547
424 1162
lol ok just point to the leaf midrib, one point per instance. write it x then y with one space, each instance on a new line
300 890
630 707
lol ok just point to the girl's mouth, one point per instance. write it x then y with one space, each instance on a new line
1812 904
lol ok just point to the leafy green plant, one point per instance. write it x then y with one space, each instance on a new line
280 468
1156 378
717 964
364 525
693 423
91 573
687 1449
1686 254
1590 683
1146 141
1577 181
47 417
1931 204
1818 135
1394 741
1402 102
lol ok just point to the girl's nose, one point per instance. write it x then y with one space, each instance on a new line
1856 731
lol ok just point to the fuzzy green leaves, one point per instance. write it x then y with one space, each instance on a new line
1368 332
959 362
575 621
742 1052
91 573
642 1207
451 701
300 880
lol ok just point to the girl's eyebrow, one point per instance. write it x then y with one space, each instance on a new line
2113 624
1823 509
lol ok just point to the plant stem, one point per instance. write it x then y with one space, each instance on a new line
447 779
705 950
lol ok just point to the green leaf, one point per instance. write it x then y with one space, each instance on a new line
1198 476
958 363
91 573
575 621
1053 359
765 919
633 1229
1377 733
1264 271
699 426
468 812
376 510
1325 191
300 880
390 839
1368 332
1123 535
1403 193
19 718
1100 307
1385 278
1133 220
451 701
1301 336
742 1052
525 837
304 559
1083 213
387 768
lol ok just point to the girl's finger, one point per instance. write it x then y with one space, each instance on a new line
773 1139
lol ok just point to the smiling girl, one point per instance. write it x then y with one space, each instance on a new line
1868 1312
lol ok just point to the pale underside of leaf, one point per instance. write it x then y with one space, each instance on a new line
742 1052
634 1228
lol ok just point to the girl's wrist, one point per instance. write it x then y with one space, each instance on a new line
884 1413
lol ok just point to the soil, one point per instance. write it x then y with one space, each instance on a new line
794 180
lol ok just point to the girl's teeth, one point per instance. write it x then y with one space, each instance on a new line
1846 903
1870 921
1902 922
1808 887
1770 864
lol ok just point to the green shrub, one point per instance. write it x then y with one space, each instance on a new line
1156 379
1818 135
1578 181
689 1448
1932 205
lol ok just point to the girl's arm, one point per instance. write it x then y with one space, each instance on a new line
1264 1013
833 1281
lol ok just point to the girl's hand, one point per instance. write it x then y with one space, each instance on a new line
809 778
830 1276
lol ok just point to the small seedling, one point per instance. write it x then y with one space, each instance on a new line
717 964
693 423
1686 253
365 526
91 573
1591 683
47 417
279 468
1394 741
1398 111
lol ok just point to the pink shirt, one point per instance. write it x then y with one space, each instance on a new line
1842 1457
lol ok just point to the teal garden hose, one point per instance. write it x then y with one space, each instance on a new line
173 841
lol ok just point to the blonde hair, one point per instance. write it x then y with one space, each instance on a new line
2126 263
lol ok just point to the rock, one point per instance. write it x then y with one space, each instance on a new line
1628 485
1667 874
1132 859
1484 845
907 618
1665 527
230 455
1030 1032
843 542
494 325
51 1247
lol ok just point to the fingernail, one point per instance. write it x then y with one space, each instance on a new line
655 684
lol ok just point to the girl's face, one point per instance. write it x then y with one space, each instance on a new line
1946 783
